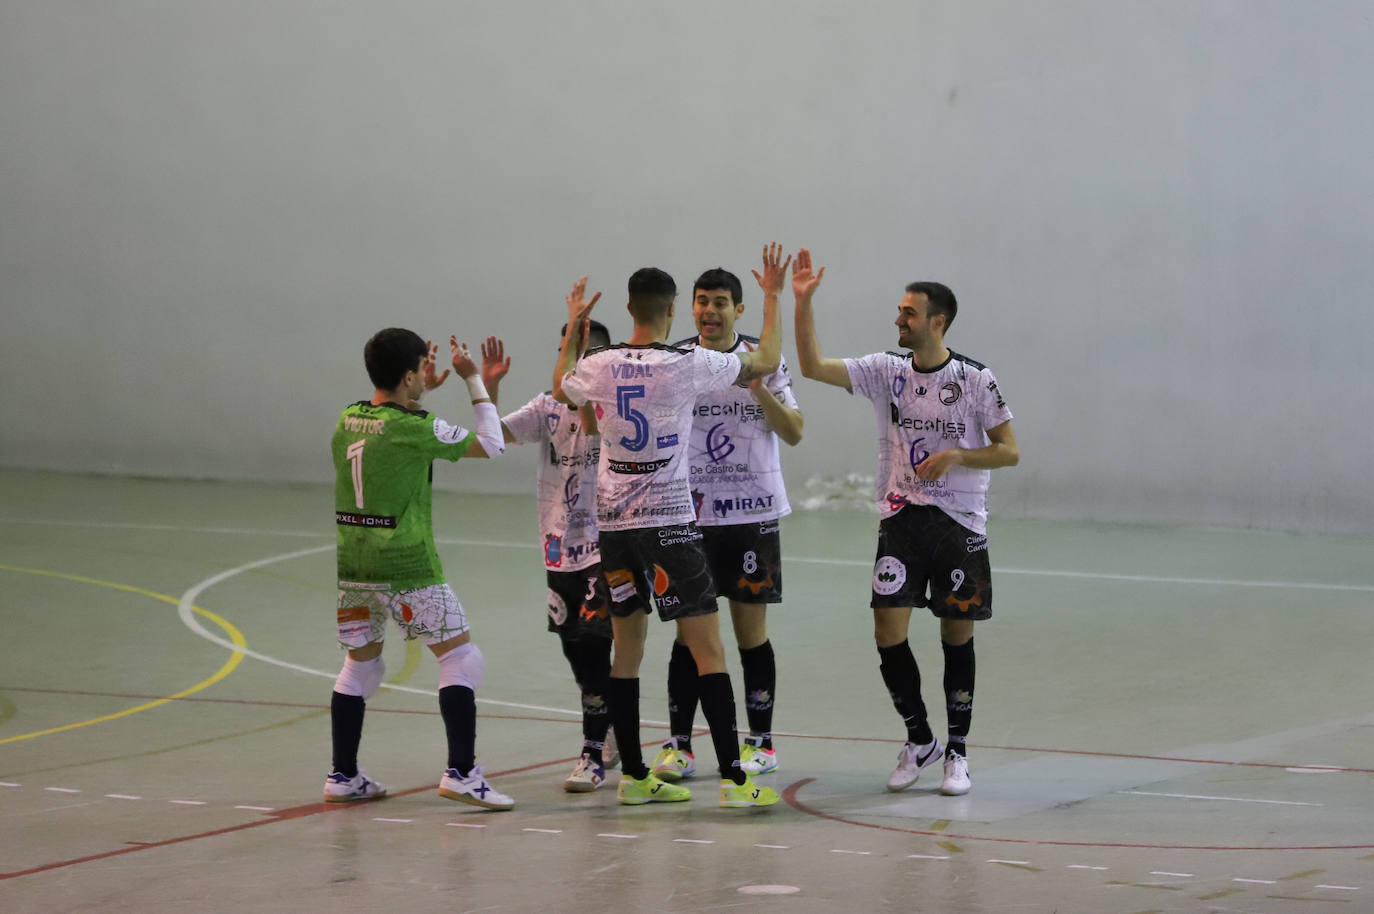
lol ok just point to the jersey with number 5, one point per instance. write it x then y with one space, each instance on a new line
646 394
382 487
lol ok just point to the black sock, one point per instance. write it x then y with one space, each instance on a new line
458 708
760 683
623 695
903 679
683 694
959 694
346 724
594 670
718 704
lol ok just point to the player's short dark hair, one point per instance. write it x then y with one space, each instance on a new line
720 278
651 293
597 334
940 300
390 354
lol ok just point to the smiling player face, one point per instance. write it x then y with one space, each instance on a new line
715 312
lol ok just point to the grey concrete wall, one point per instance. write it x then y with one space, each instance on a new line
1157 217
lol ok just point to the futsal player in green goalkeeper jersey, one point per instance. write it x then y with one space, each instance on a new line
388 566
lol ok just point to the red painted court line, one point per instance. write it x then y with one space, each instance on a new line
1092 753
280 815
789 794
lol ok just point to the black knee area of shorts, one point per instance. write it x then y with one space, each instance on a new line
346 725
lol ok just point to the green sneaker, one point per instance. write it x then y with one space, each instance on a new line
757 760
672 764
746 794
650 790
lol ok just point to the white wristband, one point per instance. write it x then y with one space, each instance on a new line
476 387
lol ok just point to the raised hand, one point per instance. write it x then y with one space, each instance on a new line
495 362
428 367
579 312
804 281
774 275
462 360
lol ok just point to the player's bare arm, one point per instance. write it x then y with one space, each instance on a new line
782 419
810 362
575 340
764 360
490 438
1002 452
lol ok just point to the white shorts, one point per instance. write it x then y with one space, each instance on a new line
432 614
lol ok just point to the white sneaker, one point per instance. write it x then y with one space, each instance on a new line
473 789
610 754
340 788
910 761
757 760
587 775
956 782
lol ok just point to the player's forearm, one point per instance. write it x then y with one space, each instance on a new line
764 360
567 361
783 420
808 347
991 457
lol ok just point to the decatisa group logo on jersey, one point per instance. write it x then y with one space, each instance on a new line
553 551
571 493
718 444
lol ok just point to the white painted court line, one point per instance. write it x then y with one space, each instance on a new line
608 834
1257 881
1011 862
1192 796
1179 875
775 847
463 825
1341 888
925 857
10 784
545 831
691 841
855 853
258 808
188 802
1080 866
397 821
806 560
62 789
122 796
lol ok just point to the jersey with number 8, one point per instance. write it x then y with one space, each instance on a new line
382 489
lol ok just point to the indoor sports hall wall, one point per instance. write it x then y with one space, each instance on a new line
1159 219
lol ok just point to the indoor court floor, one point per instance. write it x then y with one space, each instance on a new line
1167 719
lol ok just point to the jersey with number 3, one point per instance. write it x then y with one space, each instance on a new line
922 412
647 393
566 480
382 489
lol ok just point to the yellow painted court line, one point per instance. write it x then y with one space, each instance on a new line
234 635
413 655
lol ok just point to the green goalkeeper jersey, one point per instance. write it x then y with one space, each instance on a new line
382 484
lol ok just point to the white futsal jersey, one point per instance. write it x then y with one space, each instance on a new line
646 394
736 470
921 412
566 481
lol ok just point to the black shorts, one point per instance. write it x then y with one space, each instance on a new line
922 548
579 603
667 562
746 561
